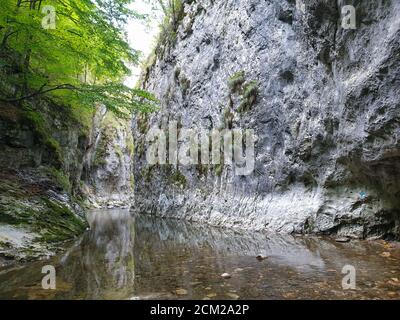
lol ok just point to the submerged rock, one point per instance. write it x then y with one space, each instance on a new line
261 257
343 240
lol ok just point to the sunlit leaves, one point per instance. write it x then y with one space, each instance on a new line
87 51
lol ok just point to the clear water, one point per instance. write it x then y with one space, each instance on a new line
143 257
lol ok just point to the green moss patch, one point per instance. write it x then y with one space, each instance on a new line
249 96
178 179
235 82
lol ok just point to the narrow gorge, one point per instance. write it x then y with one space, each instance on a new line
93 179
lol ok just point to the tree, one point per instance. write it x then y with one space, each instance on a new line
82 61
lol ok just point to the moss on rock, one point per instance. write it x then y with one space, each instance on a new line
249 96
235 82
178 179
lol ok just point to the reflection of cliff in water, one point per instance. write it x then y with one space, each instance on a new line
161 234
102 262
125 256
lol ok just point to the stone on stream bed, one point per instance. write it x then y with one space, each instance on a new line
181 292
342 240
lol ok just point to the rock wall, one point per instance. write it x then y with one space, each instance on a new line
55 163
108 172
324 105
42 145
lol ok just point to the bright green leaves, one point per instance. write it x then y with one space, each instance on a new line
85 56
117 98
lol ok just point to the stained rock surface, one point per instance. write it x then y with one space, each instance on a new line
322 100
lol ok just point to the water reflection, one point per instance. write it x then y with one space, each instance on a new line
143 257
102 263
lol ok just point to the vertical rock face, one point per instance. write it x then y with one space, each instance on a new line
42 147
52 161
324 105
108 170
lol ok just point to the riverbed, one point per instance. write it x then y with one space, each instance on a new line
125 256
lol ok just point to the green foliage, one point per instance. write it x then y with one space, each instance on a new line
82 62
235 82
249 96
178 179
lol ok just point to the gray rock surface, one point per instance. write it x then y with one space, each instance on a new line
108 172
326 117
41 148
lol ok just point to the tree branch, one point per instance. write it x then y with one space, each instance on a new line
41 91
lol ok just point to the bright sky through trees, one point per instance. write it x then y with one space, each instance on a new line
141 36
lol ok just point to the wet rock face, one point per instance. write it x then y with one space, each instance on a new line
108 173
53 166
326 116
41 151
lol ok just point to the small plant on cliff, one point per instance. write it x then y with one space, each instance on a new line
184 83
235 82
178 179
249 96
174 13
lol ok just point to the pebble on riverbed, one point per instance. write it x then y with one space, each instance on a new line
260 257
226 275
181 292
342 240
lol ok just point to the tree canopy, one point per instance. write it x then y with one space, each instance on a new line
77 53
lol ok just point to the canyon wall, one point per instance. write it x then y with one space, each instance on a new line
323 102
56 162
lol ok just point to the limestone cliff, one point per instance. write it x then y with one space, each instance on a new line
55 163
42 145
324 105
108 172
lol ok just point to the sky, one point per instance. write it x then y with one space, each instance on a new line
141 35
